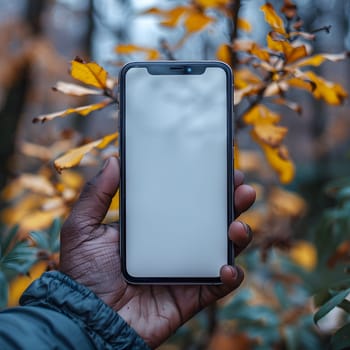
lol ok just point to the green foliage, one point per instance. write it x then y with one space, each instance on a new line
18 256
333 231
48 241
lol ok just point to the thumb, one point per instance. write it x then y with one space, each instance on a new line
96 196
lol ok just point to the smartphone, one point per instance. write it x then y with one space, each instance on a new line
176 150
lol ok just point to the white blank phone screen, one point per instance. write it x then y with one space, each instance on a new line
176 173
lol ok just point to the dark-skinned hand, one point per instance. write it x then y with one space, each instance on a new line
90 255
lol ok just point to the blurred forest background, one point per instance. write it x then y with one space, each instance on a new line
295 293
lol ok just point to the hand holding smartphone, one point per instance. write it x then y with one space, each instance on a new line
176 171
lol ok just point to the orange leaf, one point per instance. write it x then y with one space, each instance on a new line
296 53
277 44
245 77
212 3
261 114
282 165
270 134
38 151
257 51
264 128
71 179
83 110
300 83
224 53
304 254
19 284
35 183
89 73
250 161
113 211
244 25
332 93
278 159
74 89
286 203
196 21
74 156
40 219
290 52
170 17
126 49
317 60
272 18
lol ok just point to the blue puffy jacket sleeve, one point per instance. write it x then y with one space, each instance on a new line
59 313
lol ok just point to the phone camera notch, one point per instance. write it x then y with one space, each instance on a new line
188 70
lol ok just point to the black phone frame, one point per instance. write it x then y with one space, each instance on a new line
174 68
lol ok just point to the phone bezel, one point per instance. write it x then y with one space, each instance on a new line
174 68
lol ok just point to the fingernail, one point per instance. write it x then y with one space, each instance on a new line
234 272
104 167
247 229
105 164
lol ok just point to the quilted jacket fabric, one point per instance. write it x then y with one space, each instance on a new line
58 313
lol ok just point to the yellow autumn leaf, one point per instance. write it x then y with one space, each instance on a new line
291 53
18 285
304 254
245 77
212 3
272 18
71 179
126 49
300 83
41 219
332 93
318 59
170 17
113 211
89 73
82 110
257 51
14 215
279 160
286 203
296 53
196 21
244 25
38 151
261 114
270 134
254 218
277 44
250 161
173 16
36 184
223 53
74 156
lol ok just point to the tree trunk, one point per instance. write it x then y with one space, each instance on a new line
15 96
